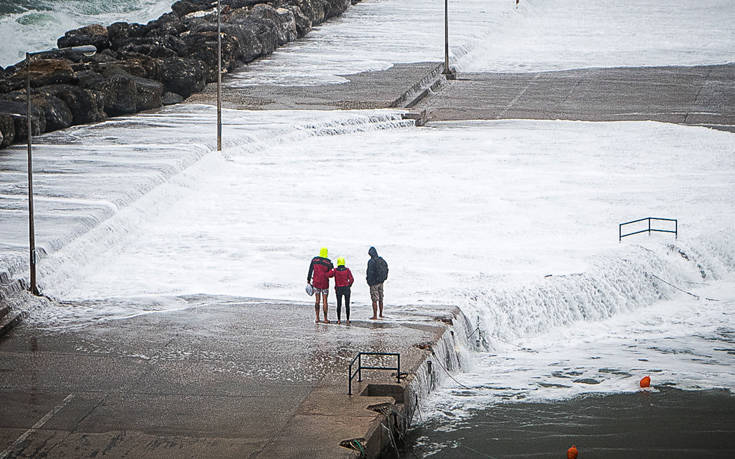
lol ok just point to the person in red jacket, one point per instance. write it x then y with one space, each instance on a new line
342 282
319 269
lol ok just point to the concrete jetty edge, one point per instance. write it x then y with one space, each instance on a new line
395 415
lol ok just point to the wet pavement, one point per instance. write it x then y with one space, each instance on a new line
700 95
365 90
226 377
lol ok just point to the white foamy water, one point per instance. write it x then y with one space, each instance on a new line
374 35
495 36
515 221
41 22
568 34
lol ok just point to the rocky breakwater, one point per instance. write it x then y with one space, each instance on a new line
140 67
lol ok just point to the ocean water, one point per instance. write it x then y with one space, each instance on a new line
41 22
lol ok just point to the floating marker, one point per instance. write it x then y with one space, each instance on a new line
572 452
646 381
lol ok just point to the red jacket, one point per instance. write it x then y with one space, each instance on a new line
342 276
320 268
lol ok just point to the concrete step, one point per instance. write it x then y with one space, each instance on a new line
9 321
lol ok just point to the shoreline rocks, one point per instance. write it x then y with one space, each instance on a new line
144 66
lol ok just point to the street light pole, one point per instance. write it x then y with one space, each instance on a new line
29 134
219 79
448 73
87 50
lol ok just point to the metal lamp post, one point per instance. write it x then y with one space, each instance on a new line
448 73
219 78
87 50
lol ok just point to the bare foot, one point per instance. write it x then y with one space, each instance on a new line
373 318
381 316
317 320
348 322
326 321
339 322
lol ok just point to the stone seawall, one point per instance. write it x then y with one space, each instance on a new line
141 67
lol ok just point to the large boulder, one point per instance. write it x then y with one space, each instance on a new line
335 8
183 76
171 98
56 112
148 94
94 34
15 104
119 92
43 72
7 129
313 9
135 64
184 7
249 46
282 19
157 46
86 104
120 33
167 24
303 22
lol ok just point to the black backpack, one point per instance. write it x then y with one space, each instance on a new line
381 268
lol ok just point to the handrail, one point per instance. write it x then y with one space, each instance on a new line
649 229
360 367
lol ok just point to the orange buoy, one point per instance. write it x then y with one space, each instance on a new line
572 452
646 381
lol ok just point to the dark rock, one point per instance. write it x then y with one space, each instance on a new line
167 24
303 23
148 94
170 98
157 46
283 21
126 93
183 76
313 9
57 113
135 64
89 79
335 8
86 105
43 72
7 130
265 32
94 34
120 32
249 46
184 7
15 103
233 4
119 92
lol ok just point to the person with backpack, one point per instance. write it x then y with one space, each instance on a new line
319 269
377 273
342 282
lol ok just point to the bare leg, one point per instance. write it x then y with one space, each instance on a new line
381 308
375 310
326 308
316 307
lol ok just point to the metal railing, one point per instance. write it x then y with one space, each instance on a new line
360 367
648 230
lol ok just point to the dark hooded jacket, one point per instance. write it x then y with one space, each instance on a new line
376 275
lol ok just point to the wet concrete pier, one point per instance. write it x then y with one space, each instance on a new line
232 378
